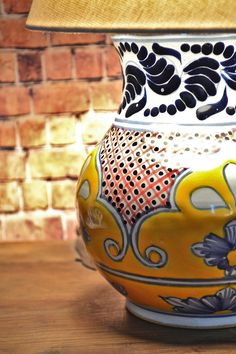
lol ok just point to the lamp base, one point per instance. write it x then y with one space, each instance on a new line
157 197
182 321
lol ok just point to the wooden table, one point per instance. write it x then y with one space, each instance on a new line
51 304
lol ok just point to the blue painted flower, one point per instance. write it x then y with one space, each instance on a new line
216 250
223 300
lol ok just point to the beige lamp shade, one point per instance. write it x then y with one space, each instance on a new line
132 15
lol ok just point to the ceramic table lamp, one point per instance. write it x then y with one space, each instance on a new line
157 196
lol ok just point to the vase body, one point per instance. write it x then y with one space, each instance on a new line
157 197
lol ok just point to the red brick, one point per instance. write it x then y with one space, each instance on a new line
7 134
9 198
83 38
55 164
35 195
13 34
17 6
29 65
89 63
112 62
53 228
62 130
12 165
61 97
109 39
63 194
71 227
36 228
7 65
32 131
58 63
95 126
106 95
14 101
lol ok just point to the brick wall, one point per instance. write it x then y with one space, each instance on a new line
58 95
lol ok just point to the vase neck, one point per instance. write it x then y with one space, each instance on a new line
182 79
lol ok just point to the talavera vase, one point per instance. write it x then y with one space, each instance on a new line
157 197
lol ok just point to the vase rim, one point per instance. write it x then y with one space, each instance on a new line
175 37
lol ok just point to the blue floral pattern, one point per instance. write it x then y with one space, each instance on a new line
223 300
201 78
215 249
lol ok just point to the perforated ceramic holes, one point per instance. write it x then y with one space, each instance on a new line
139 168
133 178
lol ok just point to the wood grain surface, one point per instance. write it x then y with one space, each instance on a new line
50 304
132 15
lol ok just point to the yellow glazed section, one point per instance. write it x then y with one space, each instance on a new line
173 231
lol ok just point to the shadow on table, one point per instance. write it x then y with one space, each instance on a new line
111 315
152 332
